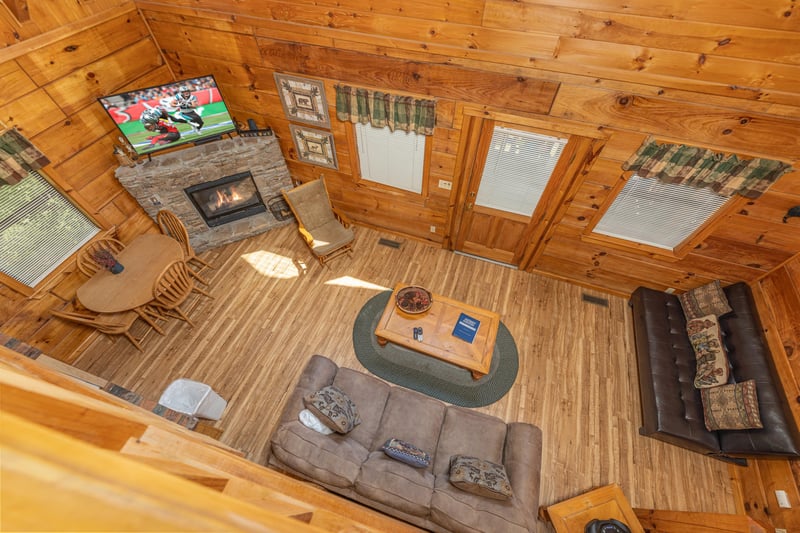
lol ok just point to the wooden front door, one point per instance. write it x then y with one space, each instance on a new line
498 173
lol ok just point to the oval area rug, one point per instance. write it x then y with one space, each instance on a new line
429 375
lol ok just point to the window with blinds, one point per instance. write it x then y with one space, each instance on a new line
39 229
518 167
658 214
393 158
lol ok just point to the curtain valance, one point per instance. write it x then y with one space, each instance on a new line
383 109
18 157
699 167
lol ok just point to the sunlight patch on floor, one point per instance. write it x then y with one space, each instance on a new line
348 281
274 265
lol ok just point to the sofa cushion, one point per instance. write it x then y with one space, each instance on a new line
401 420
369 394
468 432
480 477
333 459
407 453
333 408
733 406
395 484
460 511
708 299
709 351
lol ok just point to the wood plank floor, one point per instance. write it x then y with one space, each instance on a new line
274 307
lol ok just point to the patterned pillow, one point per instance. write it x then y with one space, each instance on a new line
733 406
709 351
406 453
480 477
708 299
333 408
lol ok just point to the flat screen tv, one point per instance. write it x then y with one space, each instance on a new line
169 115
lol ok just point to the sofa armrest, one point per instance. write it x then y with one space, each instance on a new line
318 372
522 458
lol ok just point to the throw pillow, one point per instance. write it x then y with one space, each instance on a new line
709 352
406 453
708 299
333 408
480 477
310 421
733 406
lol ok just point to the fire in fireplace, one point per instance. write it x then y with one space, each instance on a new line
227 199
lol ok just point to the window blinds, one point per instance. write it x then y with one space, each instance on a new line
393 158
39 229
518 167
659 214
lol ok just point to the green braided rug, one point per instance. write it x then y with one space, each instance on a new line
429 375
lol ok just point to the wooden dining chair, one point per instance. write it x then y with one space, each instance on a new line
110 324
172 289
172 226
86 263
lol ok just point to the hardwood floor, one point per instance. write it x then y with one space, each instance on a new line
275 306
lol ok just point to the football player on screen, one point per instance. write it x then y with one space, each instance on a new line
189 108
156 120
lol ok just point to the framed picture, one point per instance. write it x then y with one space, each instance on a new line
303 100
314 146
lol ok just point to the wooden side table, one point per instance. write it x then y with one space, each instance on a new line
571 516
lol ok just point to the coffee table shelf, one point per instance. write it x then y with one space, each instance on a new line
438 341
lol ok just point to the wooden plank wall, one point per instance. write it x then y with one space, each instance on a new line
778 298
725 79
728 81
70 56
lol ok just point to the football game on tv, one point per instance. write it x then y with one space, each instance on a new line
164 116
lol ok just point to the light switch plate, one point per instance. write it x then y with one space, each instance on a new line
783 499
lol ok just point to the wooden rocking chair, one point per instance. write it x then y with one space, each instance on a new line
325 230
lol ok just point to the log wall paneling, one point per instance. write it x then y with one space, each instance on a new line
689 73
51 81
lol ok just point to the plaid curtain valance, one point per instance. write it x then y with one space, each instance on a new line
383 109
698 167
18 157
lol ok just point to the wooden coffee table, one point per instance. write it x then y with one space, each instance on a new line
437 323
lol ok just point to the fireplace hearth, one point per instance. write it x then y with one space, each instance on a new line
223 191
227 199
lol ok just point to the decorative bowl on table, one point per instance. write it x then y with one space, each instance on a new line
414 300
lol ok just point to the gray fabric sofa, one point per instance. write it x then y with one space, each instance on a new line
354 466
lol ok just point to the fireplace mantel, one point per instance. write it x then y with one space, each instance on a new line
160 182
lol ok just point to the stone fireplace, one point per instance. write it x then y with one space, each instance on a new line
223 191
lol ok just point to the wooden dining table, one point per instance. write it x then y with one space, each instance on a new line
143 260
